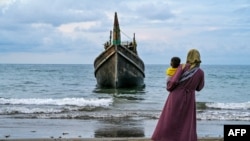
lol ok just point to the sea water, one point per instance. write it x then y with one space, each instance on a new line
44 93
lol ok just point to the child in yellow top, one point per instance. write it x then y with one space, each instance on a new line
175 62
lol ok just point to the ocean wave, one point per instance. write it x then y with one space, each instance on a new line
82 108
27 110
59 102
109 114
223 111
229 115
25 113
230 106
71 113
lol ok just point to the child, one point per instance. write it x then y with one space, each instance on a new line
175 62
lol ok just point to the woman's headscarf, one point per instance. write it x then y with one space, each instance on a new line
193 58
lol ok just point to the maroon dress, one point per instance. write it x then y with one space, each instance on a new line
178 118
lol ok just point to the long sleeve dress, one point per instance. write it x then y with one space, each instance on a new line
177 121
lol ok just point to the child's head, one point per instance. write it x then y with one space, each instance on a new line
175 62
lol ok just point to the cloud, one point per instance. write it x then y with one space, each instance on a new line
36 30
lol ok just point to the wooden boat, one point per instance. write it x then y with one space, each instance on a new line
119 65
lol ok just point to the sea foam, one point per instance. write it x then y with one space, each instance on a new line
64 101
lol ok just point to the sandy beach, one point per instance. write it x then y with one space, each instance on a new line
102 139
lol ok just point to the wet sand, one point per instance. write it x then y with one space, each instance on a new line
101 139
92 129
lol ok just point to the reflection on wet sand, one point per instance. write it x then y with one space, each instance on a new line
120 127
119 132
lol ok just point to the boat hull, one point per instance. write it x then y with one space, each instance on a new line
119 67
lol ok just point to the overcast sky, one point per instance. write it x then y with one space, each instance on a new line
73 31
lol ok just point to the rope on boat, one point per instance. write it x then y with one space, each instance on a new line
126 35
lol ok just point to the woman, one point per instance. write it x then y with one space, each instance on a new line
178 118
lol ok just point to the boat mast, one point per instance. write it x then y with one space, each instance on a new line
116 32
134 44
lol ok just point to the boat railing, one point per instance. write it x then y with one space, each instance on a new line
123 43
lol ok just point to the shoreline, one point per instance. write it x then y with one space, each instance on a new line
94 129
100 139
